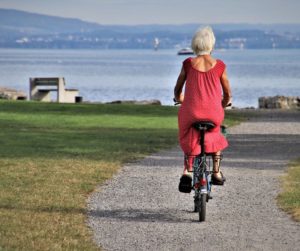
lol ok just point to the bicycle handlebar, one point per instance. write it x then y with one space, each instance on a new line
178 103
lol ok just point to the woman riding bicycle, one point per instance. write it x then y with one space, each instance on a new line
207 92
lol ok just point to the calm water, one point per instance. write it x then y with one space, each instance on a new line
107 75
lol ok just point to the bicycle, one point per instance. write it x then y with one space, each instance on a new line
202 172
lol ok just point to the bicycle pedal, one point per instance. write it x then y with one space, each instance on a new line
209 197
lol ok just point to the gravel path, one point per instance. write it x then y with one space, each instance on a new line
141 208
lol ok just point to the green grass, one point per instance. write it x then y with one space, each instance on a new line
289 198
53 155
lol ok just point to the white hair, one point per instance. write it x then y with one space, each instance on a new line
203 41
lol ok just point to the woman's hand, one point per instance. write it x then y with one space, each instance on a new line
227 102
179 100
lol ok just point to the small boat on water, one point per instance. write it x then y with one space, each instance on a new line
185 51
156 43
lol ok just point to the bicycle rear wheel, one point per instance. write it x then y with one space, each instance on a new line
202 207
196 204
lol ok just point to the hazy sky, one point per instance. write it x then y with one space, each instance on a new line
165 11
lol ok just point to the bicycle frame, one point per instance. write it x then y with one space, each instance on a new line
201 178
200 167
201 175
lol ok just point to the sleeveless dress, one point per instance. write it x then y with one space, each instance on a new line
202 101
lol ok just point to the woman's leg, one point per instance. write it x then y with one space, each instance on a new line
216 165
185 184
216 161
188 164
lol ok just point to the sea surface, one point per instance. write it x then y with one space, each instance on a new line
108 75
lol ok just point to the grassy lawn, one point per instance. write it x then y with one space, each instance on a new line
52 156
289 199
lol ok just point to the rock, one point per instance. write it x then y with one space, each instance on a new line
279 102
121 102
148 102
12 94
136 102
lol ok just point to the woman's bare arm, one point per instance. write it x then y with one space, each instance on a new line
179 86
226 89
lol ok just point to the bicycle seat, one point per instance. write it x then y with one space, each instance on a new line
204 125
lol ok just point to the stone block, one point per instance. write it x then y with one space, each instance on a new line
12 94
279 102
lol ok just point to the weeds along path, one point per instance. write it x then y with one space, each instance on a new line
141 208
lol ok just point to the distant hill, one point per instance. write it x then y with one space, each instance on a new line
41 24
21 29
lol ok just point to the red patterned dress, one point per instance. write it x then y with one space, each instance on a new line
202 101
